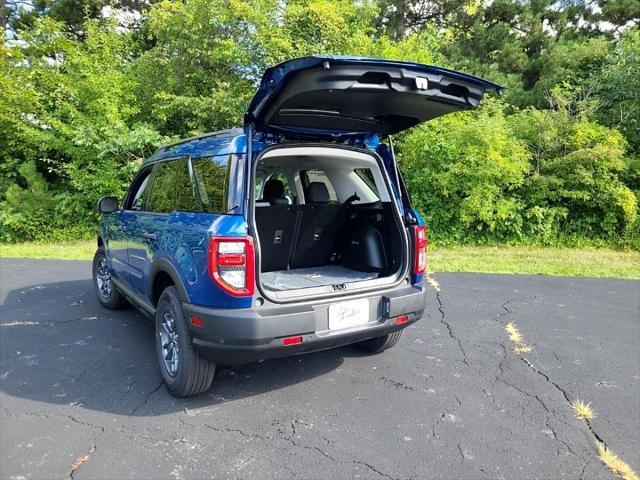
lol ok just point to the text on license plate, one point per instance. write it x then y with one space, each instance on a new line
348 314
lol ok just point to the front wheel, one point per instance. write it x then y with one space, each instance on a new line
381 343
184 371
108 294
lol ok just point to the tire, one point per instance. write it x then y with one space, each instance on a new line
107 293
184 371
380 344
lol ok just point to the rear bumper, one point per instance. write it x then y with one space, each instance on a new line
238 336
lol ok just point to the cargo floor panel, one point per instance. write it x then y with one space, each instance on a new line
313 277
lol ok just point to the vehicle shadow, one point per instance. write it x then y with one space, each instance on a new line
59 346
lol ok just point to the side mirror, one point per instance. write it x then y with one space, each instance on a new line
107 204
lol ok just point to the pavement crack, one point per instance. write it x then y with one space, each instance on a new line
462 457
82 460
548 411
233 430
564 394
558 439
506 309
291 439
447 413
550 381
373 469
146 398
452 335
54 415
396 384
584 467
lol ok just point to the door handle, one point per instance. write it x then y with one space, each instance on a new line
150 236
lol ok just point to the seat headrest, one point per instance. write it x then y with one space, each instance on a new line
274 192
317 193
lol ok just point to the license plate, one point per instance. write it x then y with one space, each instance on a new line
348 314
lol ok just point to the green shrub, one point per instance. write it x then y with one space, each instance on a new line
463 170
27 213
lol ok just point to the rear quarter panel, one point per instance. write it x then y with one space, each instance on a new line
184 244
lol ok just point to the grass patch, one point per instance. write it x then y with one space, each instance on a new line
578 262
615 464
582 410
516 337
575 262
75 250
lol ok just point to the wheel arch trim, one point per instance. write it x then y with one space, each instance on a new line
162 265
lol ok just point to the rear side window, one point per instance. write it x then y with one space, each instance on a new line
211 175
163 193
310 176
186 194
367 177
196 185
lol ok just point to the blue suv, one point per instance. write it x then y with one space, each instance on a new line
291 235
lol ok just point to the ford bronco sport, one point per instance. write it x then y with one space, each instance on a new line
291 235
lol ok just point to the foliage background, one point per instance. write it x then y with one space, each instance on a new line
88 88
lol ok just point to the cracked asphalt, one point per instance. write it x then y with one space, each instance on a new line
81 395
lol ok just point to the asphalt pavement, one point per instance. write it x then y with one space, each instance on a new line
81 396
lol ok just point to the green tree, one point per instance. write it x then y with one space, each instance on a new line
619 88
84 98
75 107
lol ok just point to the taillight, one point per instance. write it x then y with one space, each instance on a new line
231 264
420 243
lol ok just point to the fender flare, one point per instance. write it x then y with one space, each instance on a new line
163 265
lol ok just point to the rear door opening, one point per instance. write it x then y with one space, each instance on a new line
325 223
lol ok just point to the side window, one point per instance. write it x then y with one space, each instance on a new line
310 176
186 195
367 177
163 191
211 175
139 192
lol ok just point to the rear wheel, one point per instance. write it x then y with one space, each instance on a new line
380 344
184 371
108 294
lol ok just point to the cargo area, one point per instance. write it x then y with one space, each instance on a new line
313 277
325 222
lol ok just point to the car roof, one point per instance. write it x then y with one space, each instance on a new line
223 142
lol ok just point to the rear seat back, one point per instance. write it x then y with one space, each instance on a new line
320 223
276 226
299 236
319 228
